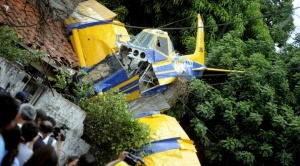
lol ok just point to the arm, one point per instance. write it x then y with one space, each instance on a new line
121 158
30 144
59 145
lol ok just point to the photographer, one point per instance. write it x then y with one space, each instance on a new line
46 130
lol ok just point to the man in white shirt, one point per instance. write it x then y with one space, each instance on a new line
29 135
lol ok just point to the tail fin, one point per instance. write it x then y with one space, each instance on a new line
199 49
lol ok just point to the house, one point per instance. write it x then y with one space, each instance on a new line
39 25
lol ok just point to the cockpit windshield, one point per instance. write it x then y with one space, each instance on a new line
143 39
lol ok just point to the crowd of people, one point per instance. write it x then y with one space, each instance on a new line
26 136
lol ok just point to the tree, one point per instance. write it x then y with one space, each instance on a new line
250 118
233 16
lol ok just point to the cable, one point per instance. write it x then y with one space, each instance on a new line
176 21
198 118
180 28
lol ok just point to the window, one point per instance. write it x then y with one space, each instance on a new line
162 45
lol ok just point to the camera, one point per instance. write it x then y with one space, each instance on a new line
132 159
58 130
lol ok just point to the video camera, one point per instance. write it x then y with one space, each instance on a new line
58 130
132 159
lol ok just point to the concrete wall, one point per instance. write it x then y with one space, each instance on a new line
69 114
64 111
11 77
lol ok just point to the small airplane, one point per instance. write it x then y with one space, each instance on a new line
139 66
151 55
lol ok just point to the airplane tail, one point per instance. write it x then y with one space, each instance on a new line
199 48
198 55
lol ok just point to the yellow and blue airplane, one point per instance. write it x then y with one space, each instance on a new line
151 55
169 145
138 66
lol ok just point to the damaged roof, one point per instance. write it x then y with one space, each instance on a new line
43 34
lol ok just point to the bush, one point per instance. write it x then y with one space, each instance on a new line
110 128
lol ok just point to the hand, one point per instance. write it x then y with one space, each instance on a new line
122 155
30 145
35 139
59 137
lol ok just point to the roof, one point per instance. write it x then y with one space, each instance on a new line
46 35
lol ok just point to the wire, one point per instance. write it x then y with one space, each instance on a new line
176 21
198 118
180 28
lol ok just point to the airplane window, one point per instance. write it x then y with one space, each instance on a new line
162 45
143 39
104 69
171 47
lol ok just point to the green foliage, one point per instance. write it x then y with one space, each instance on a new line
249 118
71 90
10 49
110 128
238 119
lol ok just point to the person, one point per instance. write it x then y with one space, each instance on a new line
27 113
20 97
40 115
44 156
86 160
29 134
71 161
52 120
46 129
121 157
12 139
8 112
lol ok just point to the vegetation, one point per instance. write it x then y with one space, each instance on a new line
10 47
108 127
235 119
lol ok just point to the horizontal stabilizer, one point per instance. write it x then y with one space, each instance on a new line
224 70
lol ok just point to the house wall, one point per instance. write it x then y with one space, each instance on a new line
64 111
12 78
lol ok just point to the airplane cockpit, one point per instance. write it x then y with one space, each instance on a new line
142 51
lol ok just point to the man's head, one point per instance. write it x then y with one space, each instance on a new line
8 111
86 160
40 115
29 130
46 127
21 96
50 119
27 113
